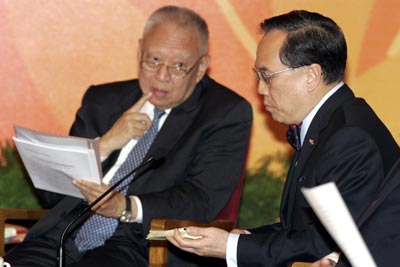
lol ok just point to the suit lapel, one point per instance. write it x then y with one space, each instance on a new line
172 131
319 123
289 191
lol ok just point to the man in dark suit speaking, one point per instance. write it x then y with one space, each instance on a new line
175 111
300 63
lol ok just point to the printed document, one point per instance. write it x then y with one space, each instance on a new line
332 211
52 161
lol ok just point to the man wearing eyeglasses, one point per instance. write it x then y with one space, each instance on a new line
203 130
300 66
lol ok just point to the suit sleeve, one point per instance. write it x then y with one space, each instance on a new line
84 124
350 158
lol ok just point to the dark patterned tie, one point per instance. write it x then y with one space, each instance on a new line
293 136
98 228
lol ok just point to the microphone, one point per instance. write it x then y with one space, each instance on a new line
60 257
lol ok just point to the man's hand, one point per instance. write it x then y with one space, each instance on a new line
325 262
111 206
212 243
131 125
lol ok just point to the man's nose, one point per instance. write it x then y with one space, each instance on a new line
163 73
263 88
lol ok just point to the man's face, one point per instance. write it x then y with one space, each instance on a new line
285 94
170 45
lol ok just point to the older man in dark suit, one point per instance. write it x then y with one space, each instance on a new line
300 63
201 129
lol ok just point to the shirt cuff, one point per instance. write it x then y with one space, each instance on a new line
231 250
139 217
334 256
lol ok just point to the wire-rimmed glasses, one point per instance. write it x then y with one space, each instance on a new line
266 77
176 71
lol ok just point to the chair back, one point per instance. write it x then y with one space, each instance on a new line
231 210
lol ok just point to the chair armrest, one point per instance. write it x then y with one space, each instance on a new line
17 214
158 252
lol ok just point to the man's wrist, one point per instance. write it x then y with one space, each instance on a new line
104 148
126 215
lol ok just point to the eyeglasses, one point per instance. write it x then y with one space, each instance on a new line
176 71
262 75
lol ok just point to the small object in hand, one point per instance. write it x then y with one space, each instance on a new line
161 234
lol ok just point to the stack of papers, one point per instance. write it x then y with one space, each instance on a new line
161 234
52 161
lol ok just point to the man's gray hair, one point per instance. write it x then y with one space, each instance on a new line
182 17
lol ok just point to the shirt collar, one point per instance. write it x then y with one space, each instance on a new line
308 119
148 109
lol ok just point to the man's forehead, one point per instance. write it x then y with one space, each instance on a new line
268 50
171 39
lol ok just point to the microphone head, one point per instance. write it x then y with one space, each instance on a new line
154 162
158 162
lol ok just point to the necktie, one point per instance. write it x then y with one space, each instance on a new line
293 136
98 228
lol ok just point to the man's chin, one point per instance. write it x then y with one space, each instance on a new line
277 118
158 104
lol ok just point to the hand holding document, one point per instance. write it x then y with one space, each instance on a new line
52 161
332 211
161 234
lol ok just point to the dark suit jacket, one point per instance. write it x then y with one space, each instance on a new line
204 143
380 223
345 143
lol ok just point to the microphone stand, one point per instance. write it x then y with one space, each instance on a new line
60 256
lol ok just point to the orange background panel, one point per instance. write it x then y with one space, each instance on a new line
51 51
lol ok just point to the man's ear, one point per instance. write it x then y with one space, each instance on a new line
314 76
203 66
